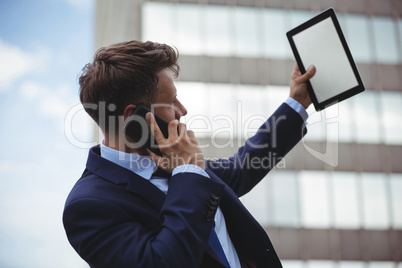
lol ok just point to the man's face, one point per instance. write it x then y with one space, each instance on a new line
167 105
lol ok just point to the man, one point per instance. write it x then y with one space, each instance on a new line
126 212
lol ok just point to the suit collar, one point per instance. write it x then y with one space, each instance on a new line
107 169
119 175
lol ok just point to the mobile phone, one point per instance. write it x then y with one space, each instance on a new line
137 129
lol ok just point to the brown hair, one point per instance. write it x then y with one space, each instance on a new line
122 74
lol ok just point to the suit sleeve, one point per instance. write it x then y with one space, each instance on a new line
273 140
106 235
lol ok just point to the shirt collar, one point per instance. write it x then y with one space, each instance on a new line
142 165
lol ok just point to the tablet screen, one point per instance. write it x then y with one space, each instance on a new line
320 42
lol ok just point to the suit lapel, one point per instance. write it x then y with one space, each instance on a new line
146 190
119 175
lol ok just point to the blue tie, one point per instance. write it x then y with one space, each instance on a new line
160 172
213 239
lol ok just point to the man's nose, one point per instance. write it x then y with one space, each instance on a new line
183 110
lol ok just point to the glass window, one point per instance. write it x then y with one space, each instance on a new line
249 107
374 201
396 199
194 96
246 26
332 124
381 264
275 43
320 264
298 17
366 115
258 201
222 110
250 97
385 40
314 199
293 264
219 31
370 117
358 38
346 210
231 105
252 32
351 264
331 121
273 97
342 21
286 198
400 39
158 23
345 121
188 31
315 125
391 116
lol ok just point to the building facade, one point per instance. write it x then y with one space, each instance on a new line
336 199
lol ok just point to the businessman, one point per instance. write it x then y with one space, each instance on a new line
134 208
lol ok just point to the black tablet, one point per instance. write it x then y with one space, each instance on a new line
320 42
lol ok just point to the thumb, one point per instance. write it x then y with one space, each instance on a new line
308 75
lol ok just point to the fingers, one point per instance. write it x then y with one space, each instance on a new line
156 132
296 71
308 75
172 129
191 137
175 129
182 129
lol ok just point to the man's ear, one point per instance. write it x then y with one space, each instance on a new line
128 111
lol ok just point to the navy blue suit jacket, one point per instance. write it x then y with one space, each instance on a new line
115 218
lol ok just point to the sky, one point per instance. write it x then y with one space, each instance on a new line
44 44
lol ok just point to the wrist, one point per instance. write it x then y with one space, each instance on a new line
198 160
190 168
302 101
297 107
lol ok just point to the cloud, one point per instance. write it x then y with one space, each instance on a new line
54 102
60 105
31 89
16 63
